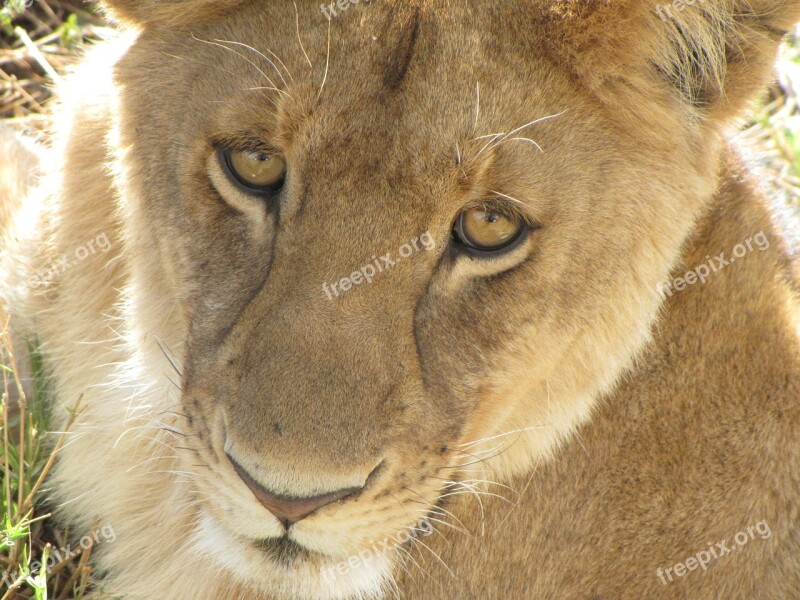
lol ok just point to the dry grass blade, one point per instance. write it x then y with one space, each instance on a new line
27 504
37 44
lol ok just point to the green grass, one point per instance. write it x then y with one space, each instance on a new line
773 136
30 567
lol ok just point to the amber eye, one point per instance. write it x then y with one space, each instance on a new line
487 231
255 172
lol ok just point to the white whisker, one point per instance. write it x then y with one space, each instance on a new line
477 105
244 58
502 435
299 39
439 558
327 62
262 55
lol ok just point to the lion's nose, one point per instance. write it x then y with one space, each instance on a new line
287 509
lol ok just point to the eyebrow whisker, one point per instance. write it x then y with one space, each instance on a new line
299 39
254 65
262 55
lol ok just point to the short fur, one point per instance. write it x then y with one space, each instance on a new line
584 429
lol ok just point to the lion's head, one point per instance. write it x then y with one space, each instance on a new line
405 244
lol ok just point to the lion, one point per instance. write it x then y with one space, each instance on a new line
425 299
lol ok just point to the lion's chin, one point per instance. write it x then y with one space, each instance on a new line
286 569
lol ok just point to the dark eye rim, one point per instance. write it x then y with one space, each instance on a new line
224 158
485 251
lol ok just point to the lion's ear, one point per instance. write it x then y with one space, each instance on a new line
143 12
714 54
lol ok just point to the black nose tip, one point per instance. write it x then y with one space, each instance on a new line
287 509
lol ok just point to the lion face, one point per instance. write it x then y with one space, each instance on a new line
402 249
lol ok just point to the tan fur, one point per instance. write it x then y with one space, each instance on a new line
625 432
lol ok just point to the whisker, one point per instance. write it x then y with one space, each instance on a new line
501 435
477 105
185 475
147 460
250 62
520 496
177 386
580 441
500 452
299 39
148 426
489 143
522 139
495 139
75 499
450 525
261 88
480 504
432 508
327 62
472 490
477 494
489 451
487 136
175 432
168 355
532 123
402 564
416 540
476 481
171 412
407 553
262 55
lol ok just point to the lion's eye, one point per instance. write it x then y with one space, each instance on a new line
486 231
255 172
